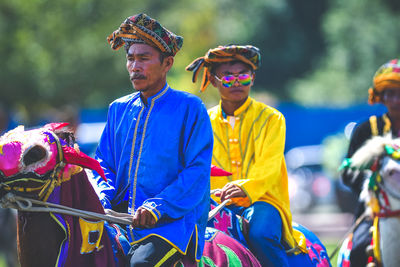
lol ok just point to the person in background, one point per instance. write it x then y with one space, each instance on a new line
249 141
156 151
385 90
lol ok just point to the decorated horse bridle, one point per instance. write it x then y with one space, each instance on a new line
58 158
380 209
48 185
380 204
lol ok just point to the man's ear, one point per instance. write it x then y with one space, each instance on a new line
253 77
212 80
168 62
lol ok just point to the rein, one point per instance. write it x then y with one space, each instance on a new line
384 210
11 200
21 203
380 189
351 230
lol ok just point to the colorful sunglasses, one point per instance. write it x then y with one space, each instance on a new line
228 80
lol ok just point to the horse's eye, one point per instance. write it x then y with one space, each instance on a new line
35 154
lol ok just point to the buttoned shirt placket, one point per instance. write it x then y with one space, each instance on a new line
137 145
234 145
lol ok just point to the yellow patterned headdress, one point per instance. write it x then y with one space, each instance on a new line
387 76
143 29
247 54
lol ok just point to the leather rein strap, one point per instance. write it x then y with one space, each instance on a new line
11 200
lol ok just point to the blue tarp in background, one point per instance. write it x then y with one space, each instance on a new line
305 125
309 126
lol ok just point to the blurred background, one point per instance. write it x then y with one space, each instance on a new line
318 59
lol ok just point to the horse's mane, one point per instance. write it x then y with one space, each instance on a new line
67 135
372 149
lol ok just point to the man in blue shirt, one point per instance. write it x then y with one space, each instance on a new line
156 151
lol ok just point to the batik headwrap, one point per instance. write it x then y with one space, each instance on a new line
247 54
387 76
143 29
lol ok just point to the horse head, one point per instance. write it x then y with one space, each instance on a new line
379 158
41 168
32 162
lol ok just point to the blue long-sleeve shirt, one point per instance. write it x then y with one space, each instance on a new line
158 155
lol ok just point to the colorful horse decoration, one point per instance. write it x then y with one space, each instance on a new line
43 165
236 227
61 221
380 156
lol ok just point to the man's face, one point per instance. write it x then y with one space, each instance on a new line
391 99
146 71
238 92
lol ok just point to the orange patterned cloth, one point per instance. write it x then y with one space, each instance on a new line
248 54
387 76
143 29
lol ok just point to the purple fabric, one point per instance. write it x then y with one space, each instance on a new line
78 193
55 198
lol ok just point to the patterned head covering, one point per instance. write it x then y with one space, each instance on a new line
387 76
247 54
143 29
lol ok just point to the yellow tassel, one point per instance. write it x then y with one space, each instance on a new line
374 204
375 237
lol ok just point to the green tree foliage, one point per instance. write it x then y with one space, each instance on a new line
360 36
55 52
290 36
287 32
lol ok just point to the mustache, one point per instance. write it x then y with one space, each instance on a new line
137 76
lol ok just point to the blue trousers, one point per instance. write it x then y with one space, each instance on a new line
265 233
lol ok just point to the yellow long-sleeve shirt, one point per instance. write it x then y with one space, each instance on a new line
253 151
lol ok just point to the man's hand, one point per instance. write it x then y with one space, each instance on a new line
143 218
229 191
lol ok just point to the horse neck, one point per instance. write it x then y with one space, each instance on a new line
389 227
389 231
39 235
389 235
38 239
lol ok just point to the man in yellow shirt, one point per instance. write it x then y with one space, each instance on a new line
249 141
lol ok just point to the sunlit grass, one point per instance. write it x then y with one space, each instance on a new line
330 247
3 262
